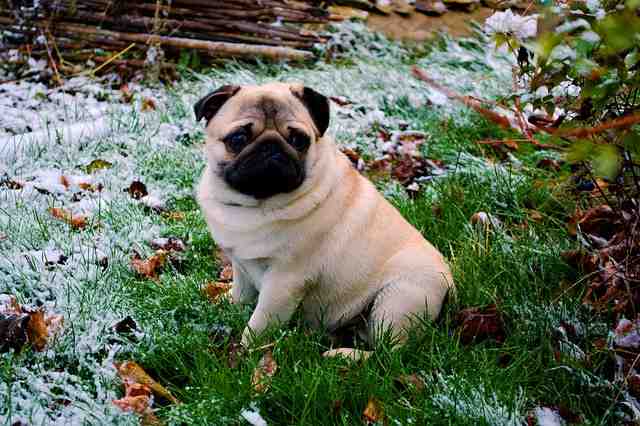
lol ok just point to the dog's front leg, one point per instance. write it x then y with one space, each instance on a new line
242 291
280 295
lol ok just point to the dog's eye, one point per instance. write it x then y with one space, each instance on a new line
298 140
237 140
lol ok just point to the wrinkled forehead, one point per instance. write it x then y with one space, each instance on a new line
273 106
266 103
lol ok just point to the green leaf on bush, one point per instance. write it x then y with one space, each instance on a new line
580 151
606 161
633 4
631 142
619 31
585 66
545 45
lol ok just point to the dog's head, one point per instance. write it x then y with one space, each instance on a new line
261 137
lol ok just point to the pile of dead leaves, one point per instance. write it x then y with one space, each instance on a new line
402 160
262 375
480 323
610 255
140 390
166 249
20 325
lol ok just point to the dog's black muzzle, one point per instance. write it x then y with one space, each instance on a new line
265 170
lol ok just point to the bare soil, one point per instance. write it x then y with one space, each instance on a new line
418 26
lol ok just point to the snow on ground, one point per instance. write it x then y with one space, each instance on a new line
77 273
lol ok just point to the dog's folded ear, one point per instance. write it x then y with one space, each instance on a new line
318 106
209 105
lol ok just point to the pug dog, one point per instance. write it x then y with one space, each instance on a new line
301 226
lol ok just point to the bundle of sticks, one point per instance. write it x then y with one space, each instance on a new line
273 29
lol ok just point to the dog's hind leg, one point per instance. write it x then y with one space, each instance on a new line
403 302
396 307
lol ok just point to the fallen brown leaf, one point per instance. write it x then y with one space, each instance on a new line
168 244
148 104
131 372
235 352
340 100
549 164
137 190
477 324
598 222
19 325
535 215
374 412
226 274
13 331
6 182
76 221
127 94
177 216
215 291
150 267
37 330
486 220
412 381
138 398
263 373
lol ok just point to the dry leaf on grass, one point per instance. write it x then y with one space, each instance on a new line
374 412
411 382
215 291
76 221
485 220
168 244
148 104
7 182
236 350
97 164
175 216
82 182
477 324
19 325
610 254
138 398
549 164
226 273
263 373
137 190
535 215
127 94
150 267
130 372
340 100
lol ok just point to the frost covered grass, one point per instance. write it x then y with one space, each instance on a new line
183 340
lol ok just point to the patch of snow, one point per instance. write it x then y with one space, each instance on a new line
252 415
546 416
474 403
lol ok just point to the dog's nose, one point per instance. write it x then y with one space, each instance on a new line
272 149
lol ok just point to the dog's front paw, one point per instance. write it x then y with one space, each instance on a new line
348 353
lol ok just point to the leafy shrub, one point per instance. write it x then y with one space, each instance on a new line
581 71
